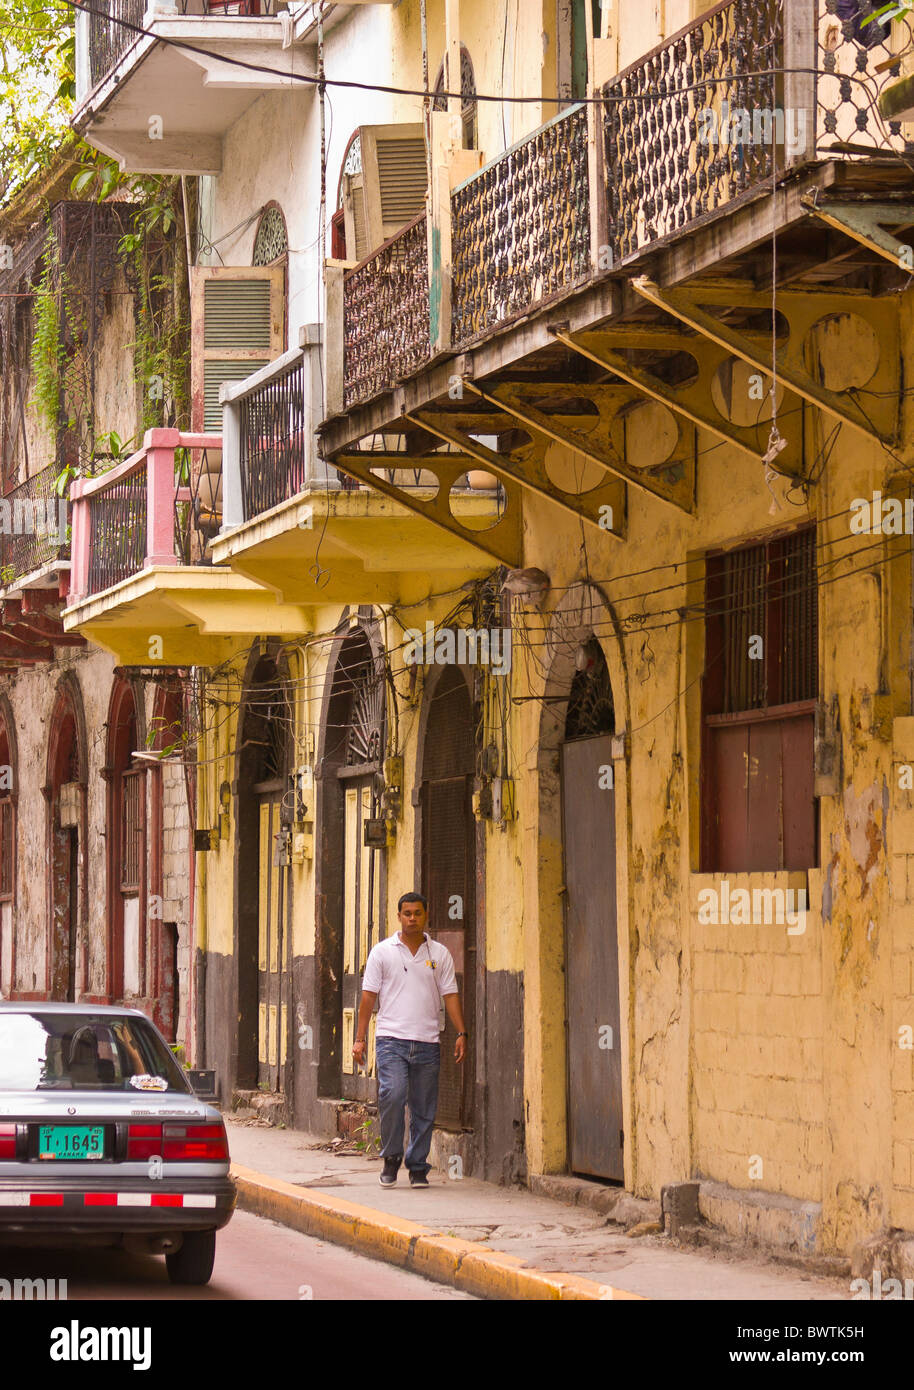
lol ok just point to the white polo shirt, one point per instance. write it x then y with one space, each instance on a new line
408 987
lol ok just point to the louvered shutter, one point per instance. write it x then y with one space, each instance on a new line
394 179
238 316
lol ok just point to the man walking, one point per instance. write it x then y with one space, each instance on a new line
412 976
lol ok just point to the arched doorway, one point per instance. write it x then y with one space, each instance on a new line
595 1122
9 784
65 791
448 867
351 877
126 846
262 888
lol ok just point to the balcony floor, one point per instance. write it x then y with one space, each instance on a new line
201 615
354 547
194 96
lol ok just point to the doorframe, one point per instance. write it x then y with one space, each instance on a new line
8 722
583 614
433 676
246 895
329 865
67 701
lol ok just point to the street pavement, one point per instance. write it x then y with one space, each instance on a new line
255 1259
541 1232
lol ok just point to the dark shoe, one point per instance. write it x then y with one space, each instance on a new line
417 1178
391 1168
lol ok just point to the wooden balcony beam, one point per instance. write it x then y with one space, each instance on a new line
841 406
865 223
511 399
503 540
605 506
691 400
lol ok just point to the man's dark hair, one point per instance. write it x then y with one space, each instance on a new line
412 898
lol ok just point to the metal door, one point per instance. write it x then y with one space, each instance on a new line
361 916
448 840
592 1005
272 1021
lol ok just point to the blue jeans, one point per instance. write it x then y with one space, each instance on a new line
407 1072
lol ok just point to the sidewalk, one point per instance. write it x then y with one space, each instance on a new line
495 1241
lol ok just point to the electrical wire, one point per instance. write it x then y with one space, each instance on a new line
604 99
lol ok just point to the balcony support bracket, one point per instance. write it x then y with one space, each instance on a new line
866 224
607 348
755 349
605 505
503 541
511 399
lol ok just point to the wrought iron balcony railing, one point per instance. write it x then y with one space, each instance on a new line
114 25
520 228
35 527
386 333
150 510
708 117
275 437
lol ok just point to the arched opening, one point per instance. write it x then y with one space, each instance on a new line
271 248
8 794
262 887
351 864
351 167
126 843
66 798
584 947
595 1128
448 868
468 105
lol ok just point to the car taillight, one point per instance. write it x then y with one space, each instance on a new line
7 1141
195 1142
144 1141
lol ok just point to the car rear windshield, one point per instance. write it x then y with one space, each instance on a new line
79 1052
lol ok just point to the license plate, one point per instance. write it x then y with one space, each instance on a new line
64 1141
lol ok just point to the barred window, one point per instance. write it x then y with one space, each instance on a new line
759 694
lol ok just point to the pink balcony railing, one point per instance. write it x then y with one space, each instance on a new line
145 511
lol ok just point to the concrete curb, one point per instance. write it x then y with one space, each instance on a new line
466 1265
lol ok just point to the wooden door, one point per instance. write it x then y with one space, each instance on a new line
272 1013
592 1007
449 866
361 917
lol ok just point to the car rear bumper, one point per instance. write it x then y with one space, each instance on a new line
73 1207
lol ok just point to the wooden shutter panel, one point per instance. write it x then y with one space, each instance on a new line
238 317
357 247
394 178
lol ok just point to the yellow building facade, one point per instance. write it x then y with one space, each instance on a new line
626 381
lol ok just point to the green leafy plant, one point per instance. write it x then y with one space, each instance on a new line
370 1141
110 445
47 351
889 12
